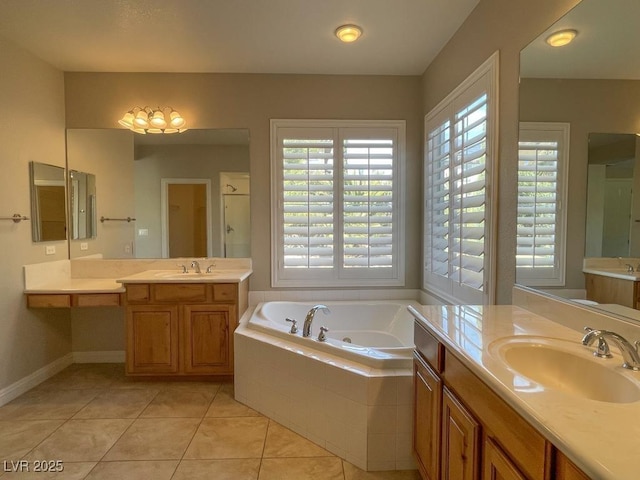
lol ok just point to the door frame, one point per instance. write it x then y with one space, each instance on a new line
164 210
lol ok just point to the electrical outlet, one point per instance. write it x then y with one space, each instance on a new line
143 232
50 250
84 246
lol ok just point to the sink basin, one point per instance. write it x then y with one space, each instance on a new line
567 367
192 276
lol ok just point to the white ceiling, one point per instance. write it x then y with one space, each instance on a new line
401 37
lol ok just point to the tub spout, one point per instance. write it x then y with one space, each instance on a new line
308 320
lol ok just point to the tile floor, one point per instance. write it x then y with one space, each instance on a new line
99 424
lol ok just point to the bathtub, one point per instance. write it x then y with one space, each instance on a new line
377 334
351 394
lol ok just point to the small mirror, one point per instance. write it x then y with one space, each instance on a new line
82 204
48 211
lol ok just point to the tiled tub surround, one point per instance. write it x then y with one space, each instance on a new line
358 412
597 436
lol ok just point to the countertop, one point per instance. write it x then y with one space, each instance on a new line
602 438
613 272
78 285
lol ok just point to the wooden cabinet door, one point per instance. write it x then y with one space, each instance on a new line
427 397
565 469
207 338
460 439
497 465
152 339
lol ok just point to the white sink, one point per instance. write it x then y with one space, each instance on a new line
568 367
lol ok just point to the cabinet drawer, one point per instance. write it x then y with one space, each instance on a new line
48 301
225 291
504 425
173 292
96 300
428 347
138 293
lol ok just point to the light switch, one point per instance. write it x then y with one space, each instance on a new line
143 232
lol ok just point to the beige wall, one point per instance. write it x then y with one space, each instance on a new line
31 129
599 106
98 100
507 26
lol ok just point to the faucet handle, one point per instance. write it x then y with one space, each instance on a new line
322 337
183 267
211 267
603 349
294 325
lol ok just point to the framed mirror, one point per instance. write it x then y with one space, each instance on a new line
590 86
82 204
48 202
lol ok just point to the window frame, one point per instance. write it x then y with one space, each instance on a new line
534 277
484 78
336 275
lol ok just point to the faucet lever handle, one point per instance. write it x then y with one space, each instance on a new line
603 349
184 268
294 325
322 337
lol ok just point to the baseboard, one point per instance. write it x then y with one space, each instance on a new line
116 356
36 378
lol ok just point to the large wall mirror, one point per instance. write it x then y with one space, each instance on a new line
48 203
165 196
591 87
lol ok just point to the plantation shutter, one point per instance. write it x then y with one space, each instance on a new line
541 218
367 201
459 139
307 202
337 189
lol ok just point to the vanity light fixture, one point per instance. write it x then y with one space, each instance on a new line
158 120
561 37
348 33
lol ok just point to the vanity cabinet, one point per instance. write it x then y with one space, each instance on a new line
604 289
464 430
182 329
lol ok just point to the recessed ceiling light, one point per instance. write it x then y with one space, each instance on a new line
561 38
348 33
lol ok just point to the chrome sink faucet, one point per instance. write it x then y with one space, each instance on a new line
628 350
308 320
196 266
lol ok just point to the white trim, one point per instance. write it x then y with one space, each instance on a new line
115 356
164 211
36 378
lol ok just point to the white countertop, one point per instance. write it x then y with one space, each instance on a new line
601 438
613 272
174 276
78 285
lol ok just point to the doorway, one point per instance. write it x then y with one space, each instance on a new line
186 217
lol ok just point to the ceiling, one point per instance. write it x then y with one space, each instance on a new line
401 37
606 46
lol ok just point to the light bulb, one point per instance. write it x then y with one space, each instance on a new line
157 119
561 38
348 33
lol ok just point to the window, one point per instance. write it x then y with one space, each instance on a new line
543 151
336 192
459 165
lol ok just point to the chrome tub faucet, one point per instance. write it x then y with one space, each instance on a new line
308 320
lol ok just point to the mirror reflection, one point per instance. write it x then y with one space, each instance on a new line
82 204
590 88
48 203
180 188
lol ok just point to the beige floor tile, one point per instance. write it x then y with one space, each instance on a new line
80 440
154 439
241 437
351 472
82 376
224 405
137 470
282 442
237 469
70 471
47 404
178 403
118 404
19 437
193 386
321 468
